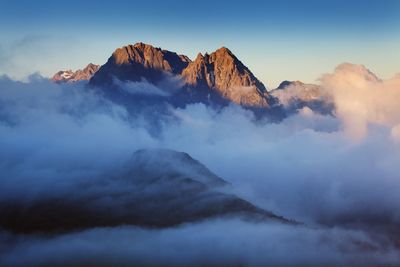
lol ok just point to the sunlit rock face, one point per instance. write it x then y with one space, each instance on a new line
155 188
224 73
75 76
138 62
219 77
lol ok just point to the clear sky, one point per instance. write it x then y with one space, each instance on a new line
277 40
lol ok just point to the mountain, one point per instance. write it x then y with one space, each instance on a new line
293 91
155 188
222 72
294 95
74 76
285 84
137 62
218 77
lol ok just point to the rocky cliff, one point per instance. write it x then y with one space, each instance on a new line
74 76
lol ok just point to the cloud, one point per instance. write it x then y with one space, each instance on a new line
50 128
395 132
305 167
211 243
361 98
140 88
297 95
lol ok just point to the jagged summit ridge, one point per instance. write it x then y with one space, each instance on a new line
219 77
150 57
74 76
220 73
223 72
137 62
287 83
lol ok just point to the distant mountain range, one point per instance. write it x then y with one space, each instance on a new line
216 78
75 76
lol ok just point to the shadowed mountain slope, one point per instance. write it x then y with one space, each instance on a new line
156 188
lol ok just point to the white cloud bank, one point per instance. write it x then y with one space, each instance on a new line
361 98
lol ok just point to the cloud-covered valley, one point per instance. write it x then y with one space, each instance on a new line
337 174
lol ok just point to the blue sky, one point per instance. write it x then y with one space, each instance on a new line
277 40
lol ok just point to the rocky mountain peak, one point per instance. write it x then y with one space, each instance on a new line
286 83
91 69
140 61
223 51
295 95
150 57
224 73
199 57
216 77
78 75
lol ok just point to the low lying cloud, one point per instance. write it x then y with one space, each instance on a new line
140 88
211 243
326 171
